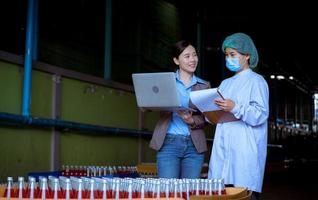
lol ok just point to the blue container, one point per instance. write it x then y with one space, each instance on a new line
36 175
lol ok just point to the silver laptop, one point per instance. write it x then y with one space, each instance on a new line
157 91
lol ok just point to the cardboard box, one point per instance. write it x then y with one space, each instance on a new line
232 193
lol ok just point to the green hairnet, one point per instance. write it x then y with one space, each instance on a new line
244 45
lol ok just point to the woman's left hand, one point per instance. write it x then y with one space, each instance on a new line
225 104
186 116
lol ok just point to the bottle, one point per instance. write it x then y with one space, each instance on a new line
9 190
214 186
32 183
142 189
210 187
221 187
187 190
80 189
63 170
80 171
67 171
55 188
44 191
21 187
197 187
115 169
71 171
130 184
104 189
84 171
91 189
117 183
67 189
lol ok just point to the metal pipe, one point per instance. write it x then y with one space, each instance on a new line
55 133
108 40
44 122
26 97
35 30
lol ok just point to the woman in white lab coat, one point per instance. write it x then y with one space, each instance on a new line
239 147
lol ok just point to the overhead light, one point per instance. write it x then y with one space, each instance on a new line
291 78
280 77
272 76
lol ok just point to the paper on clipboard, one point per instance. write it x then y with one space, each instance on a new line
204 101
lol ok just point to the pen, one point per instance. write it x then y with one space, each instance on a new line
220 94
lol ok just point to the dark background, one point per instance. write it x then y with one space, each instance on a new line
71 35
283 33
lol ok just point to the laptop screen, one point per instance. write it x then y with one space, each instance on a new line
156 90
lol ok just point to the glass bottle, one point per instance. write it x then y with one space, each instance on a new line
21 187
9 190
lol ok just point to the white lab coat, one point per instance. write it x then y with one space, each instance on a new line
239 147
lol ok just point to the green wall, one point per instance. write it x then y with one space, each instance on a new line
10 87
26 149
23 149
95 104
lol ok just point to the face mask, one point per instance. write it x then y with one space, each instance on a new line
233 64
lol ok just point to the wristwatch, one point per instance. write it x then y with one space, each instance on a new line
193 125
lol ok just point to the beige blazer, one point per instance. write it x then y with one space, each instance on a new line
197 133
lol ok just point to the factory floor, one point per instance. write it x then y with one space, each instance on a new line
298 181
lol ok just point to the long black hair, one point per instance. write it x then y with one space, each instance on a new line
178 48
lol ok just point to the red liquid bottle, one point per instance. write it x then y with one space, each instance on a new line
80 171
197 187
136 194
85 194
44 191
32 183
221 187
130 185
9 189
67 189
75 170
187 193
84 171
121 194
103 192
67 171
55 189
21 189
210 186
142 189
63 170
80 189
71 171
115 170
116 192
109 193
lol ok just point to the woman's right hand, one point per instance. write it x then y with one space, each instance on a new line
225 104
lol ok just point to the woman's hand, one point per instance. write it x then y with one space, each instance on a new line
186 116
225 104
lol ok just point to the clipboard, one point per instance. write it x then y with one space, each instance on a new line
219 116
203 100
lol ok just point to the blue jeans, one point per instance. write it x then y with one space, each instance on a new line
178 158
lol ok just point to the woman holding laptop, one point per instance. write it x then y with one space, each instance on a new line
178 136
